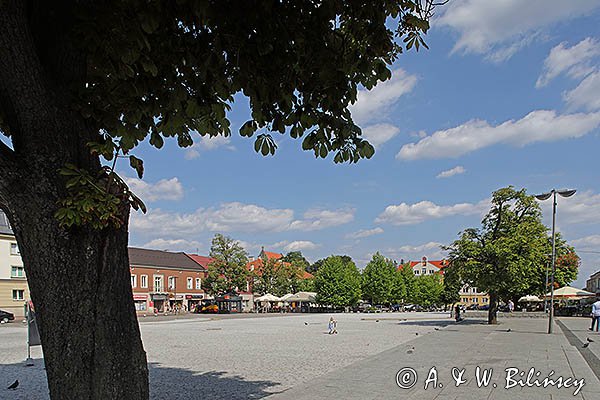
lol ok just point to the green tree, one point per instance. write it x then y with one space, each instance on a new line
296 258
314 267
452 283
505 256
82 83
306 285
228 270
405 283
427 289
380 280
338 282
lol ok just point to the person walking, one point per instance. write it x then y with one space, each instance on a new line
511 306
596 313
332 326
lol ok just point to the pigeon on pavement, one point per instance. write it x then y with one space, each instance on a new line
14 385
590 340
509 330
585 345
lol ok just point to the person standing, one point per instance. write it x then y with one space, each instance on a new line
511 306
596 313
331 326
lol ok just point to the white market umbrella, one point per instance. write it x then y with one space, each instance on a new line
303 297
267 298
568 292
531 299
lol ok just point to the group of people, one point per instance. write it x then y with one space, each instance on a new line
595 313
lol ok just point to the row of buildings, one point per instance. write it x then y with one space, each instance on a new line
163 280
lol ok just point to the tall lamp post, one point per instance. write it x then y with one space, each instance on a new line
546 196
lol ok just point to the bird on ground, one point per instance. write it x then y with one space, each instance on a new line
411 350
509 330
14 385
416 333
590 340
585 345
306 323
376 320
437 329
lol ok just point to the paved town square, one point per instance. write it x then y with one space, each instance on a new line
293 357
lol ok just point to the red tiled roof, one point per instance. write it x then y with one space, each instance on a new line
441 264
270 255
201 260
307 275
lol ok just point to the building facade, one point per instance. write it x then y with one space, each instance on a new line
164 281
593 283
427 267
472 296
14 291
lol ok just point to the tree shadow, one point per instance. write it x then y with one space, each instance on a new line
184 384
165 383
442 324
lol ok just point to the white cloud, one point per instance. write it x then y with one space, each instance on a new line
316 219
300 245
208 143
581 208
591 242
586 95
573 61
165 189
451 172
500 28
363 233
537 126
380 133
431 250
376 103
190 246
236 217
410 214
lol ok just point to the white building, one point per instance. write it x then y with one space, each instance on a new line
13 283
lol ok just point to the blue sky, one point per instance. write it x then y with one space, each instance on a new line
508 94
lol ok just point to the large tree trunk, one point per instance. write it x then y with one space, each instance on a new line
81 289
493 310
78 277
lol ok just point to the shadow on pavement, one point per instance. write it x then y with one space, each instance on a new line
165 383
183 384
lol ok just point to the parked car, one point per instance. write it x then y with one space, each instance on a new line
410 307
382 308
472 307
361 307
397 307
484 307
5 317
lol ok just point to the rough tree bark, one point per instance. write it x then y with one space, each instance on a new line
493 310
79 278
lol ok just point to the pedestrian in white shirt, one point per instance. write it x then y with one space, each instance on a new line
596 313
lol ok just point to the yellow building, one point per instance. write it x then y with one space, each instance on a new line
13 283
471 295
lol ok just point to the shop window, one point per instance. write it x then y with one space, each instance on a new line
18 294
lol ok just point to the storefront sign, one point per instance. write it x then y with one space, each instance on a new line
159 297
140 297
194 296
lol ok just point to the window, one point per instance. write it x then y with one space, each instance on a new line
144 281
198 283
14 249
18 294
424 271
416 272
172 283
190 283
158 283
17 272
431 271
485 300
133 281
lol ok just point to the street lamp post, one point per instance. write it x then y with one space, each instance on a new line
546 196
